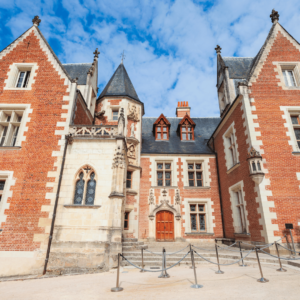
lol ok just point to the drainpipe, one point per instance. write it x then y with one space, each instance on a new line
219 186
67 138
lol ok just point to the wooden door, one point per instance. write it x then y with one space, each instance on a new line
164 226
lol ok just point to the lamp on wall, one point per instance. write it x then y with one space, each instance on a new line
255 166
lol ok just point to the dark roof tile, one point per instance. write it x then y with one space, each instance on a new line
238 67
78 71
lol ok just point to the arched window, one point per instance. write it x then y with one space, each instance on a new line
85 187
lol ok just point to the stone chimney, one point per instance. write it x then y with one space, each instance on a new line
182 109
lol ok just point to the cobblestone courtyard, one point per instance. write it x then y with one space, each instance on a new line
236 283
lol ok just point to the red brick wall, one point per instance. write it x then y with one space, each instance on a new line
103 119
281 164
181 114
32 163
82 115
240 173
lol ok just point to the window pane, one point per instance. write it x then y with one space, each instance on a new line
294 119
20 80
2 183
198 166
158 129
128 184
191 182
201 207
90 190
115 115
126 215
165 136
199 175
168 166
193 222
258 166
165 129
168 175
253 167
189 128
190 136
190 166
19 118
202 222
291 77
159 166
183 136
129 175
15 134
159 183
191 175
183 129
8 118
199 182
159 175
3 136
285 78
168 182
79 190
159 136
26 79
125 224
297 132
193 207
297 143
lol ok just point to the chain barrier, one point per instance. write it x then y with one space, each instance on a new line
280 256
204 249
224 264
289 249
154 271
176 252
152 252
227 246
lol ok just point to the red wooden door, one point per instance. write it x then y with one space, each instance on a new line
164 226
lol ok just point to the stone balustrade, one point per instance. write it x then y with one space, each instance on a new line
94 131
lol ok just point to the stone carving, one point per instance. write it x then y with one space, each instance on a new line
177 197
74 80
253 153
274 16
99 114
151 198
96 53
131 151
218 49
69 138
36 21
119 159
121 122
94 131
132 130
133 112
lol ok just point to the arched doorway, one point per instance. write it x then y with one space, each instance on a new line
164 226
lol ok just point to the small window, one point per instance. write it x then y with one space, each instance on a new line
2 184
232 149
164 174
129 180
241 212
115 115
162 132
10 121
126 220
187 133
296 125
195 174
198 217
23 79
289 78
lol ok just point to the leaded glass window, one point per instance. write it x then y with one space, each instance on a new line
164 177
195 174
198 217
296 125
85 188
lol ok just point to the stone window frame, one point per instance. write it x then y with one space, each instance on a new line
114 108
228 155
171 170
86 178
128 219
197 212
159 159
293 66
207 202
205 172
13 75
239 186
22 127
6 176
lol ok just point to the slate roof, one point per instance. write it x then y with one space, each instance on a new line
238 67
120 85
203 131
78 70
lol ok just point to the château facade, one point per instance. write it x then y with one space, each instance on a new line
79 173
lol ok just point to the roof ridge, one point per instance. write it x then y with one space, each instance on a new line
77 64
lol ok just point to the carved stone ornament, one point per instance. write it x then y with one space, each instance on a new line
132 130
131 151
133 112
99 114
121 122
151 197
253 153
274 16
177 198
74 80
70 139
36 21
218 49
96 53
119 160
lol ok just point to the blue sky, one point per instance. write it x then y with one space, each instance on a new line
169 45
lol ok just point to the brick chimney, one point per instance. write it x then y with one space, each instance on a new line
182 109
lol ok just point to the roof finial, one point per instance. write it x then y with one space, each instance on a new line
218 49
96 53
274 16
36 21
122 57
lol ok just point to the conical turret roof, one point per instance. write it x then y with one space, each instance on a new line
120 85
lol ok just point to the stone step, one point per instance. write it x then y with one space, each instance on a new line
132 248
129 240
133 243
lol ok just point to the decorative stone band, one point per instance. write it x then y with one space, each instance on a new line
94 131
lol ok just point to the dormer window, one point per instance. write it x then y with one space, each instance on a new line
162 128
187 129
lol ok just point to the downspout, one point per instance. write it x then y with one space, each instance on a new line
67 138
219 185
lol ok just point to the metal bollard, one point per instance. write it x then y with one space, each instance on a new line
217 253
280 265
243 265
117 288
164 273
196 285
262 279
142 250
294 253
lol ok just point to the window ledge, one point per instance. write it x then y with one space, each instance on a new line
164 187
197 187
296 153
242 234
10 148
130 191
233 168
17 89
199 233
82 206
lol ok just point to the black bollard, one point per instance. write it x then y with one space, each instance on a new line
217 253
243 265
262 279
117 288
142 250
164 273
196 285
280 265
